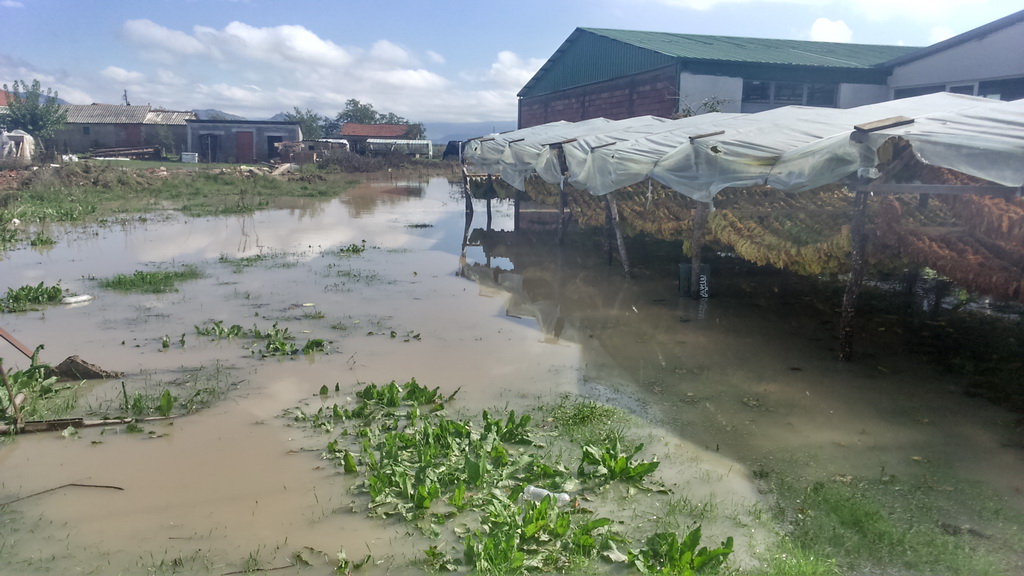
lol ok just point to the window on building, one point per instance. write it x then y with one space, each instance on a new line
757 91
789 93
917 91
967 89
85 130
823 95
1006 89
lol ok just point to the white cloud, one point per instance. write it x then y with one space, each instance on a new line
384 52
123 76
918 10
150 36
940 33
512 72
281 46
711 4
825 30
257 72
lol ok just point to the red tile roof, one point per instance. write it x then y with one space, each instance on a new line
374 130
5 99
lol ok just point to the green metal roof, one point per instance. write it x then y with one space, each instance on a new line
596 54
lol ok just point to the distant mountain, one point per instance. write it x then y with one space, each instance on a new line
211 114
279 117
442 132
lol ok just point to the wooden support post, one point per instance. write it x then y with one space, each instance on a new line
515 210
858 262
12 400
617 228
562 202
488 213
700 226
467 192
562 199
609 233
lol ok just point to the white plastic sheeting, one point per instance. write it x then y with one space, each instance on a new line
792 148
533 153
577 152
484 154
800 148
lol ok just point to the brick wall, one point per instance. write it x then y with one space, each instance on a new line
650 93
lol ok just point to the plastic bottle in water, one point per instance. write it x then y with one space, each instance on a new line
537 494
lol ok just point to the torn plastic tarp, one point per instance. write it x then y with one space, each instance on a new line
800 148
484 154
533 154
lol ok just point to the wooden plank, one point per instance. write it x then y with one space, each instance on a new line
699 136
14 342
883 124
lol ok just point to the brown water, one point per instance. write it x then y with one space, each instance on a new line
725 386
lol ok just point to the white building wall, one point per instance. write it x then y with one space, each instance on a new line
696 88
853 95
998 55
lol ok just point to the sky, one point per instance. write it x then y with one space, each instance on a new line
428 61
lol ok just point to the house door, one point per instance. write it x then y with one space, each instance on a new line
272 150
209 146
245 147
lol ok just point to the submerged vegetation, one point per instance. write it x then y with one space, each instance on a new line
28 297
413 459
273 341
155 282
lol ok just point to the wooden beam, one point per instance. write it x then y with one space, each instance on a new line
707 135
619 239
883 124
700 225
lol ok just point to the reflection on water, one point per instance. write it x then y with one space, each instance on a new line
752 372
750 377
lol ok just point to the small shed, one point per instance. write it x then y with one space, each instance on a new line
16 146
358 134
239 141
410 147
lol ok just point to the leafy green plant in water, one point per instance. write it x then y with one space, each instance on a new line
217 330
152 282
611 463
42 239
44 397
353 249
664 553
421 465
28 297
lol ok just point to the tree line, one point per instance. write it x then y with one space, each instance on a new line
39 113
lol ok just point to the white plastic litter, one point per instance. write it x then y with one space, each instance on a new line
537 494
76 299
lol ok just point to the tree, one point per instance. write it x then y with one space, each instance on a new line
32 110
359 113
311 123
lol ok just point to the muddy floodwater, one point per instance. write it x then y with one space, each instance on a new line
728 388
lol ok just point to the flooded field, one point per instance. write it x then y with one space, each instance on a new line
727 393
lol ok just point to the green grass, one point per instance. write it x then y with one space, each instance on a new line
92 190
156 282
884 525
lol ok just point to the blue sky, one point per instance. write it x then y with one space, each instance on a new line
442 60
